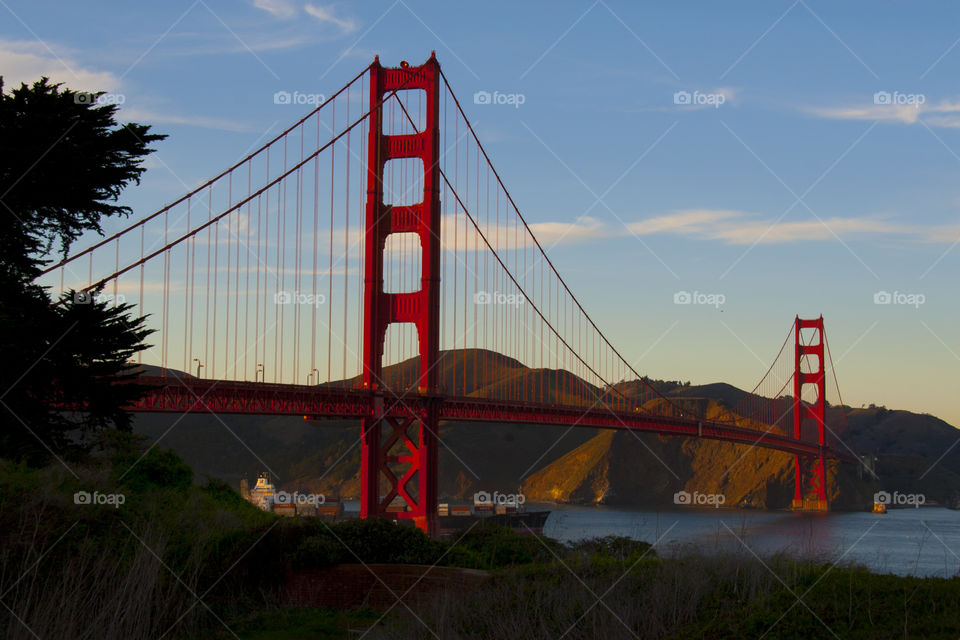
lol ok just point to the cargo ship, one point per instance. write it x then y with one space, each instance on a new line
506 510
265 496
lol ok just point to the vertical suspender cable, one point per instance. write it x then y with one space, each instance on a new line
316 226
346 245
166 289
140 299
186 294
206 279
278 375
226 277
333 160
246 286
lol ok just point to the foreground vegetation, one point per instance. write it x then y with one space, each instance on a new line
691 597
181 560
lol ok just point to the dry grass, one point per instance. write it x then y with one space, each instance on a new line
92 571
98 593
589 599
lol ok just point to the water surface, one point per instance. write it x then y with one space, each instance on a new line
922 542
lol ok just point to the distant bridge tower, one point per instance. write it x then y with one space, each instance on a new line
422 307
814 496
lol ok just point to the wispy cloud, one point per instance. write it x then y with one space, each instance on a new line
687 99
583 228
884 113
741 228
945 113
27 61
947 122
151 116
687 221
202 44
284 9
710 98
325 15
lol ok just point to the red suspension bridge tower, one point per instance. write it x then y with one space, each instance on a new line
815 498
415 430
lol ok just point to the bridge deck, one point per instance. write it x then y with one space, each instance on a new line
174 395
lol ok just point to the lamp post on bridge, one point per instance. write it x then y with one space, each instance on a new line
259 375
310 375
199 366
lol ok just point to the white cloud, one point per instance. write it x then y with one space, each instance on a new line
550 233
207 44
278 8
945 113
704 99
764 232
728 226
725 225
944 106
730 95
149 116
686 221
904 114
946 122
736 227
27 61
325 15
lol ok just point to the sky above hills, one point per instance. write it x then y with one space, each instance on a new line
784 157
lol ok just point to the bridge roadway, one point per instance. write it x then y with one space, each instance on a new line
181 395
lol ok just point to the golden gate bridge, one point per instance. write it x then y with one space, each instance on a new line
375 231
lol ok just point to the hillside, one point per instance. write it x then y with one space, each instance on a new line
576 465
643 469
625 468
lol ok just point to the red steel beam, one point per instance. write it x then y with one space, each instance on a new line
173 395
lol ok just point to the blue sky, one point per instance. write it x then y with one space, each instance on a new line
814 166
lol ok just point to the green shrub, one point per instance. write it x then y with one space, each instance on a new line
164 469
320 550
379 540
493 547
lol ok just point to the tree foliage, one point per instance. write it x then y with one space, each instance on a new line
63 164
64 161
